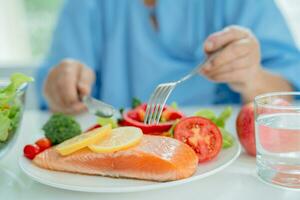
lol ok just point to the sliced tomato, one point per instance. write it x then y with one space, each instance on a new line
134 118
43 143
202 135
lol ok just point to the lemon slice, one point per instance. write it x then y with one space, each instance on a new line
83 140
119 139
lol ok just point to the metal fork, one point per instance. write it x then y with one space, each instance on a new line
160 95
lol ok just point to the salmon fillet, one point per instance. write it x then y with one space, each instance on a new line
156 158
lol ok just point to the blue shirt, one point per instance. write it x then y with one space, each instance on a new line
116 39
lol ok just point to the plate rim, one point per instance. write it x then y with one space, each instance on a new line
128 189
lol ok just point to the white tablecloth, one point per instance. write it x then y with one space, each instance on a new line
238 181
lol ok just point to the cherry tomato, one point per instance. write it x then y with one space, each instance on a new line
43 143
134 118
31 150
170 114
200 134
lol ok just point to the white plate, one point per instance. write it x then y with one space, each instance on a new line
86 183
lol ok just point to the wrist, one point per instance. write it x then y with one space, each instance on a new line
264 81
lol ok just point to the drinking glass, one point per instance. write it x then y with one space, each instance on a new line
277 133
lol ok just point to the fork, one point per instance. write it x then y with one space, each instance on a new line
160 95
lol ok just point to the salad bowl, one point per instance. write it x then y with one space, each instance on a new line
11 112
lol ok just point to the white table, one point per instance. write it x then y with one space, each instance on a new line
238 181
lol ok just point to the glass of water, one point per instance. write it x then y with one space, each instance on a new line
277 133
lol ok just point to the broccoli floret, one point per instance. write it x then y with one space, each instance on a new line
61 127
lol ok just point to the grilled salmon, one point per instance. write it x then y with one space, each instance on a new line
155 158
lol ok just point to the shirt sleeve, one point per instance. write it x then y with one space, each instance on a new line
77 35
279 53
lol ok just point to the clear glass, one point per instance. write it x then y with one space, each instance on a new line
277 132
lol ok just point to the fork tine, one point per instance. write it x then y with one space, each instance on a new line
164 100
160 98
148 108
155 104
151 104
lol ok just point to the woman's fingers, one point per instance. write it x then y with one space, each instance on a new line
238 63
61 86
85 82
222 38
228 54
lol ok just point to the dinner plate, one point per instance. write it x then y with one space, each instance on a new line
88 183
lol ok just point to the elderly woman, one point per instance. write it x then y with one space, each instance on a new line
115 50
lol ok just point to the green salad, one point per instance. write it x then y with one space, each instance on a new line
10 107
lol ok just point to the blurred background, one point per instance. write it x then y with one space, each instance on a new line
26 27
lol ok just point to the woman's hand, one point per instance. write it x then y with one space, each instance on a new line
234 58
66 84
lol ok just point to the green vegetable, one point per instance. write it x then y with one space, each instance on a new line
4 127
171 130
228 139
220 121
207 113
223 117
174 105
8 93
10 107
135 102
121 110
61 127
104 121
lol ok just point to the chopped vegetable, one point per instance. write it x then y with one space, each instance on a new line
30 151
61 127
135 102
174 105
104 121
8 93
171 131
207 113
121 110
133 118
43 143
228 139
223 117
10 107
5 124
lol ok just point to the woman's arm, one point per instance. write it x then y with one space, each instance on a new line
77 36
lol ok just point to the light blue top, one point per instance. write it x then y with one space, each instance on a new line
117 40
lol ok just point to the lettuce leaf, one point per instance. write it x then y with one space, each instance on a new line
16 81
9 107
4 126
104 121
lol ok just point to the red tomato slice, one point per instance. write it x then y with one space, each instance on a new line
202 135
43 143
30 151
133 118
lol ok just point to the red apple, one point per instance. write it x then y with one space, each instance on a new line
245 128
